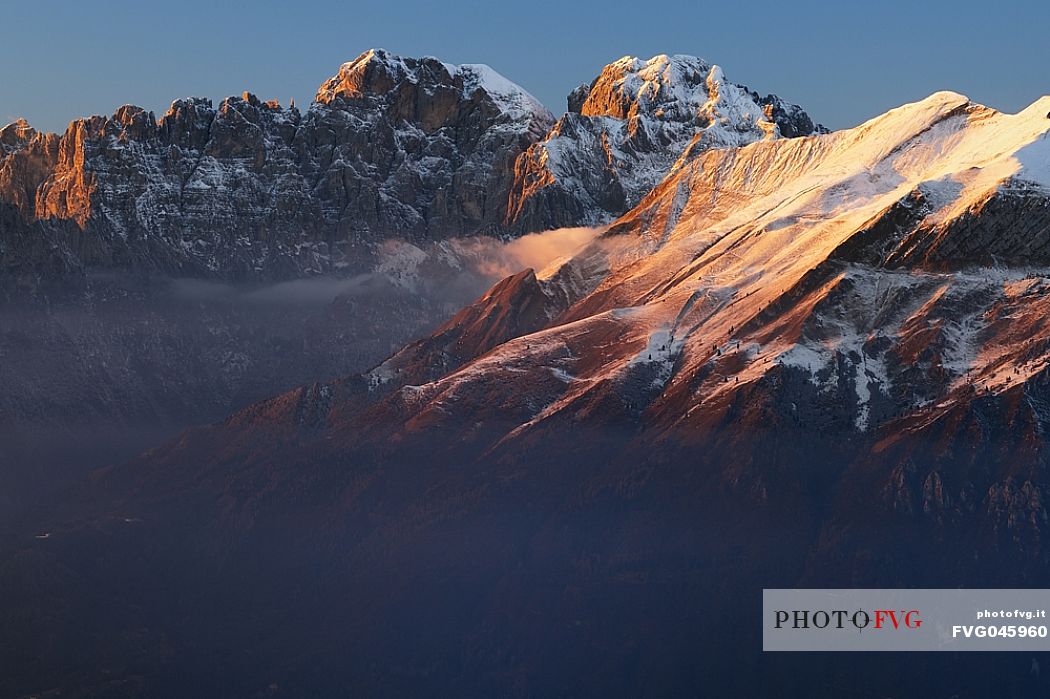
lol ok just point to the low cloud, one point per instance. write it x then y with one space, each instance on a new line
479 259
319 290
537 250
450 272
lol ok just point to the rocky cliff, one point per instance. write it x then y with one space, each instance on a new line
623 133
392 147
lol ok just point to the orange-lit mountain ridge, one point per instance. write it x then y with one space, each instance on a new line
864 293
809 362
392 147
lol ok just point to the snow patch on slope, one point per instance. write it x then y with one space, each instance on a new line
511 97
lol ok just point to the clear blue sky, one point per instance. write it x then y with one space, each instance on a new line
843 61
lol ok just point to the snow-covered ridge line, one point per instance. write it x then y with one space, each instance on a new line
393 146
885 270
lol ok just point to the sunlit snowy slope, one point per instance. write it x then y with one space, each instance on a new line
810 362
897 266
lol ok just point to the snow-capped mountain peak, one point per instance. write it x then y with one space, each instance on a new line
512 98
833 258
679 88
377 72
633 85
625 131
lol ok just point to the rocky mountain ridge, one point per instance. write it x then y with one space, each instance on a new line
392 147
623 133
809 362
813 256
872 286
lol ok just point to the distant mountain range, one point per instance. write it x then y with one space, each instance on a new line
789 358
397 147
882 287
111 233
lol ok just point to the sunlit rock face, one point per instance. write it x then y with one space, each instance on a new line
625 131
878 296
894 274
401 147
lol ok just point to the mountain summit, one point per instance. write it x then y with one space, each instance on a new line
623 133
865 284
851 283
377 72
393 147
830 258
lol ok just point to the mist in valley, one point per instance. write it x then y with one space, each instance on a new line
119 363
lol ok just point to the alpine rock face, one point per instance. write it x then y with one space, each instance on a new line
156 274
391 147
625 131
111 233
878 293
